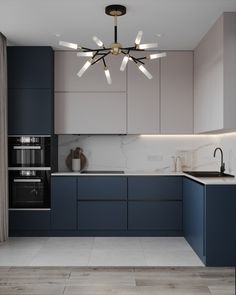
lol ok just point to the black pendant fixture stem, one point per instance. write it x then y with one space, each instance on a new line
115 28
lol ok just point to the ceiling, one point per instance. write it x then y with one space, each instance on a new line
181 23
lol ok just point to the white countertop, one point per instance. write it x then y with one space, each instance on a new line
203 180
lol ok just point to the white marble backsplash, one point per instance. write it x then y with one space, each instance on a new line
228 144
149 153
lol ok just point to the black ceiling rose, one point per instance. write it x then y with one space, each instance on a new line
115 10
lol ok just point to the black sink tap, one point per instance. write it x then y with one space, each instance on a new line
222 166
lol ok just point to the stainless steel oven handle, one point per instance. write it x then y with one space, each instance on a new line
27 147
27 180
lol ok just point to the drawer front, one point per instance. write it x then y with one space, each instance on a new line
155 188
102 215
155 215
102 188
29 220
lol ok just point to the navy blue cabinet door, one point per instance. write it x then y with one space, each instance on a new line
29 220
30 67
63 203
221 225
102 215
30 111
152 215
154 188
102 188
194 215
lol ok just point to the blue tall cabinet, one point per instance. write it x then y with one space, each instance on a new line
30 90
31 112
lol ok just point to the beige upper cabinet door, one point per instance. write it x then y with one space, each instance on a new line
143 98
67 65
215 78
177 93
90 113
208 81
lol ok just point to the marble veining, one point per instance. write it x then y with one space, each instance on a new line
151 153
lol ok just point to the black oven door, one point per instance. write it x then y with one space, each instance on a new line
29 191
26 151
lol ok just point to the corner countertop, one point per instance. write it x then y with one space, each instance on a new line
202 180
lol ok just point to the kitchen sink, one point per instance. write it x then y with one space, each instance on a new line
208 174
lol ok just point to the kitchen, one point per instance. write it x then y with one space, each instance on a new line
127 160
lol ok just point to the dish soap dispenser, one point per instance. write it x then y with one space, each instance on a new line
178 164
173 164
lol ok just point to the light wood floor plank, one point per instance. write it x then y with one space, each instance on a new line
117 281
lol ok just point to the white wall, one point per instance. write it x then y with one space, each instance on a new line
150 153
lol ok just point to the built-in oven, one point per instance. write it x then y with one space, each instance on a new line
29 188
29 151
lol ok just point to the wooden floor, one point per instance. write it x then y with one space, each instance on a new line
117 281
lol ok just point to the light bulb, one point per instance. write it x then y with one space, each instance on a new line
85 54
97 41
157 55
69 45
108 76
84 68
138 38
146 46
124 62
145 71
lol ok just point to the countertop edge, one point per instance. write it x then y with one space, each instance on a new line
201 180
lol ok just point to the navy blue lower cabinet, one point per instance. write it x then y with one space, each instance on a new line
209 219
221 225
155 188
194 215
152 215
102 188
63 203
102 215
28 221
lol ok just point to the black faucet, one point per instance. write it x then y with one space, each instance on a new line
222 166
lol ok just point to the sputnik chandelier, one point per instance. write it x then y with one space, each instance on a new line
115 49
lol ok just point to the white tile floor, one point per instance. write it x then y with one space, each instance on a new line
97 251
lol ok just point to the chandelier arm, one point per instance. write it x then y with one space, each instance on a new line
105 65
141 58
136 60
132 48
105 54
125 53
94 54
98 49
104 49
85 49
129 48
